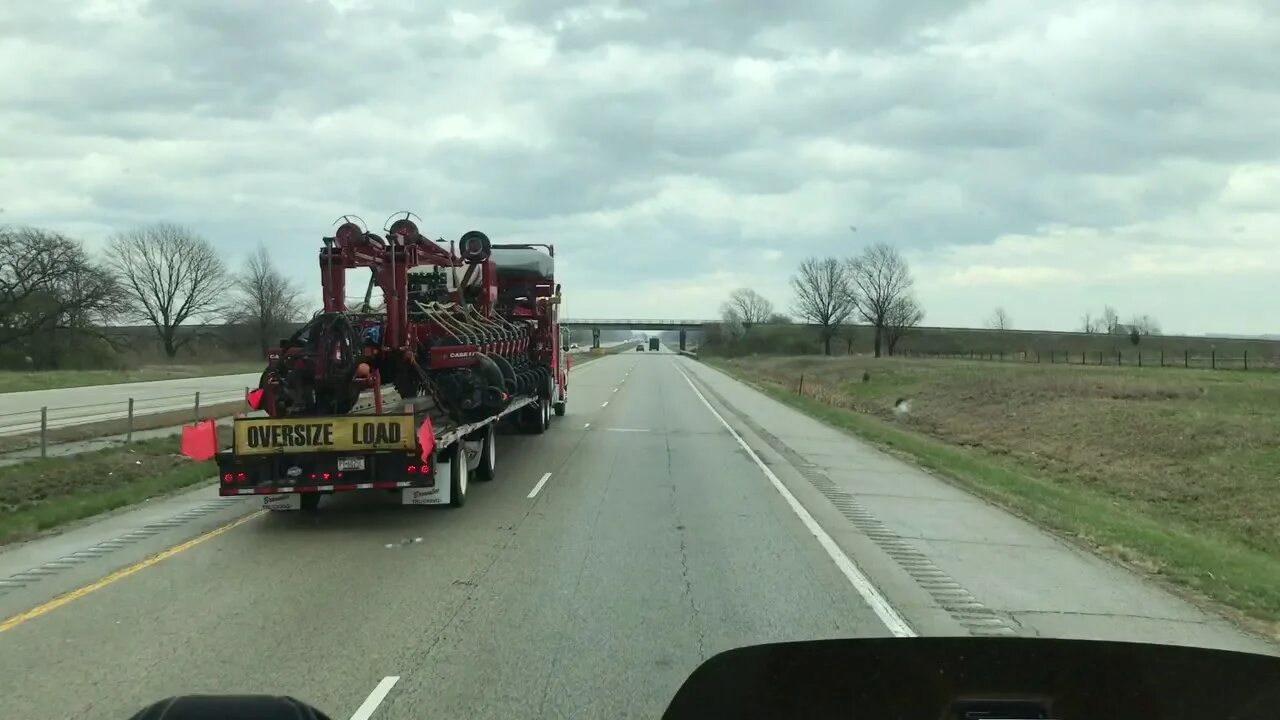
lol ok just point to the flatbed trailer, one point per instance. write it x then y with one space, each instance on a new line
292 462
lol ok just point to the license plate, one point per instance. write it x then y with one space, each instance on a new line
351 463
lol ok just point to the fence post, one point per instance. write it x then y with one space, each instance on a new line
1186 358
1001 356
1161 357
1213 359
1246 359
1119 359
197 407
1037 357
128 430
1139 358
44 432
800 390
1099 358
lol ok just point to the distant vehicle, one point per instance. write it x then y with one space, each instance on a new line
640 347
573 346
653 344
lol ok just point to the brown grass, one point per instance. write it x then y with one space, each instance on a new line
104 428
1200 448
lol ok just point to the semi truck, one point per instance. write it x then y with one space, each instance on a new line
468 337
653 344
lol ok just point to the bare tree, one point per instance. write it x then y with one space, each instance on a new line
903 316
824 295
1109 321
173 275
731 326
267 300
779 319
52 290
1145 325
1088 324
752 307
1000 320
881 279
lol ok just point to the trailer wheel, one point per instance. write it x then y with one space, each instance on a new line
458 478
539 417
487 468
560 409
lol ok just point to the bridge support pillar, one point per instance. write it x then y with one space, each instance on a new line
595 338
684 335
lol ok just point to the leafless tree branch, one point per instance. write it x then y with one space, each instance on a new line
881 279
824 295
173 275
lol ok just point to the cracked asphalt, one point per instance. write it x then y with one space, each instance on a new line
655 543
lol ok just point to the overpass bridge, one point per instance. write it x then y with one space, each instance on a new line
636 324
596 325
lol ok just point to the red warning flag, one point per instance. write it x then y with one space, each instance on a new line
254 398
200 441
426 440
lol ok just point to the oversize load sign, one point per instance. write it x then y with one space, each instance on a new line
335 434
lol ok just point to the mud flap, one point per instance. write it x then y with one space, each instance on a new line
281 502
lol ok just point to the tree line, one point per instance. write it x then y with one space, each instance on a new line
833 293
58 301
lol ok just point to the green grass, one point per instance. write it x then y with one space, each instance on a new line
13 381
1192 500
44 494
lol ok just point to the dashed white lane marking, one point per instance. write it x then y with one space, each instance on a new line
371 703
533 493
626 430
584 427
615 389
896 624
605 404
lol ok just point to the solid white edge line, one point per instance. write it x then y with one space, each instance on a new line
533 493
896 624
371 703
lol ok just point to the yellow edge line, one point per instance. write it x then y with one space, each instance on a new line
122 573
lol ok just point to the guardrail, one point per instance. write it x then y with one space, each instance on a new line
47 418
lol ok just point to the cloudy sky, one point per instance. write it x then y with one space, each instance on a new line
1045 156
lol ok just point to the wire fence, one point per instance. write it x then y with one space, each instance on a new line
1132 358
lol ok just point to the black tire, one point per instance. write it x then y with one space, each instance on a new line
487 469
458 478
310 502
560 408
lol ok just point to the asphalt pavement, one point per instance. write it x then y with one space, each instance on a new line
672 514
20 411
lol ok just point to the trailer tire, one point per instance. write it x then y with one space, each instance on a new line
560 408
487 468
458 477
539 418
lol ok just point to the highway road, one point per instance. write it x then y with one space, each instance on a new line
20 411
672 514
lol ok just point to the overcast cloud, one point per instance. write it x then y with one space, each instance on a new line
1045 156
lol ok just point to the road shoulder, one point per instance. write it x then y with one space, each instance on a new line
983 566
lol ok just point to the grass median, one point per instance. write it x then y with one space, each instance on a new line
1172 472
44 494
13 381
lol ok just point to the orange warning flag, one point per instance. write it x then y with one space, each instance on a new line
426 440
200 441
